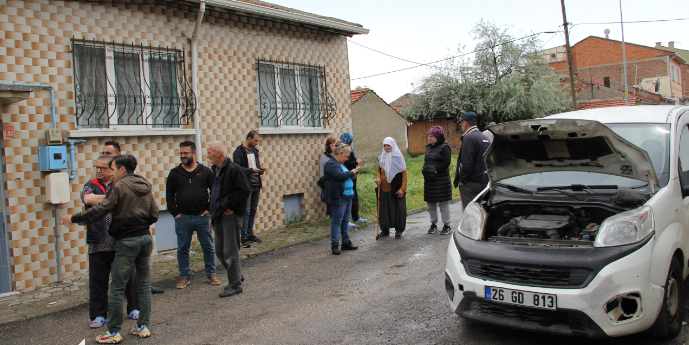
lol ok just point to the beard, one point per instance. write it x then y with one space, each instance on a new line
187 161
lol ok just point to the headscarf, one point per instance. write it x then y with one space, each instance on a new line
348 138
392 162
437 132
329 151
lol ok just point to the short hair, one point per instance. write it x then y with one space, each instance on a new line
251 134
126 161
218 146
471 123
341 148
107 158
188 143
114 144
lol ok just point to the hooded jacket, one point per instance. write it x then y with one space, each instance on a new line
132 206
470 163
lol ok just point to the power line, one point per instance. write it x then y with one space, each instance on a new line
451 57
635 22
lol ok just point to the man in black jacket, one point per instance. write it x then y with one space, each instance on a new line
228 204
246 156
470 163
187 196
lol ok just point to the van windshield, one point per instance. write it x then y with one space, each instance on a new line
654 138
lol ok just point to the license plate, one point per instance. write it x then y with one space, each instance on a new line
523 298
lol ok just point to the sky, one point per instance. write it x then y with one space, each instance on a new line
430 30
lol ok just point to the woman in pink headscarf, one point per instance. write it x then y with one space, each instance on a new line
437 188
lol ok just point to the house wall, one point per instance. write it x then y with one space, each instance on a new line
35 47
372 121
595 51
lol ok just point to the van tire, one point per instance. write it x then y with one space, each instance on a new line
669 321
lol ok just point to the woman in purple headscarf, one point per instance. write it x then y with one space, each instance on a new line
437 188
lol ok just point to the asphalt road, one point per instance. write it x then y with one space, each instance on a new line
389 291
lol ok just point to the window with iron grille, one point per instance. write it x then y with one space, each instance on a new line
293 95
120 84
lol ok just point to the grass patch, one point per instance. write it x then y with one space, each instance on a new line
366 185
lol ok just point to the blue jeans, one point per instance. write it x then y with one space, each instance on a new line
340 223
250 215
184 228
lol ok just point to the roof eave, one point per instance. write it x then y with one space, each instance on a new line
281 14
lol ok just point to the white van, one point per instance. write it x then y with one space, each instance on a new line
583 229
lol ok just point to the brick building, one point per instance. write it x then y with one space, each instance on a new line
600 60
151 75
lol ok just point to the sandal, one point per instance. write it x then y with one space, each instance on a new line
98 322
134 315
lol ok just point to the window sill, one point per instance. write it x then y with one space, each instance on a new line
269 131
91 133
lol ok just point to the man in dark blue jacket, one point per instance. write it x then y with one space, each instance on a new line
470 163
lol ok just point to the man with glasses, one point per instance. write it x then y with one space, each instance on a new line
187 196
102 250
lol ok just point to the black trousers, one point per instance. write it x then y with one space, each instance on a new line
355 203
100 265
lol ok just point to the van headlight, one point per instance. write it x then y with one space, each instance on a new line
472 222
626 227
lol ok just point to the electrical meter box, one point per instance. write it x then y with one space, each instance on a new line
52 158
57 188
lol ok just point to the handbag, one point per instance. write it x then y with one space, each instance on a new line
321 182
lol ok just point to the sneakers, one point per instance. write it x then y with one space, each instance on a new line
142 332
183 282
433 229
349 246
245 243
213 279
336 249
446 230
109 338
254 239
362 220
351 225
230 292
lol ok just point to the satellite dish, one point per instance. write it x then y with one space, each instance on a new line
607 33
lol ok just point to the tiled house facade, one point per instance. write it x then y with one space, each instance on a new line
36 46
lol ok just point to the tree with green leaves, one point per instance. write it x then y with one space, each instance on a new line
506 80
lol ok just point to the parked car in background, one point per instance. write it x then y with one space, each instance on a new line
583 229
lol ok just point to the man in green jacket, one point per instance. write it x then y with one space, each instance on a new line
133 210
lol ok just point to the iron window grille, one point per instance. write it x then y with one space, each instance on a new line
293 95
122 84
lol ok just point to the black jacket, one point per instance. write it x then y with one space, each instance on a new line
240 157
94 230
470 163
334 182
436 172
233 190
188 192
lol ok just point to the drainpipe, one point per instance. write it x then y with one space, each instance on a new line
72 164
195 79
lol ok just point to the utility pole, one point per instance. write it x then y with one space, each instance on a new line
624 60
569 56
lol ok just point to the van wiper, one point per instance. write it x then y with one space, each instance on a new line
565 193
579 187
514 188
585 164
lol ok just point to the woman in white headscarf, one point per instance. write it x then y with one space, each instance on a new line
392 182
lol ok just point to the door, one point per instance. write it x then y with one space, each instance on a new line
5 274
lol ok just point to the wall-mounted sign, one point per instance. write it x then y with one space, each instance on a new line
8 131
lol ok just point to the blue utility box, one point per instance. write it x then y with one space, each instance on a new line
52 158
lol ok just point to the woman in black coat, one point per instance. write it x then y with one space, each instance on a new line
437 188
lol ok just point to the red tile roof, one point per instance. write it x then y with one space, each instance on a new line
399 107
358 93
606 103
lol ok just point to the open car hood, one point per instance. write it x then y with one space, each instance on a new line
539 145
